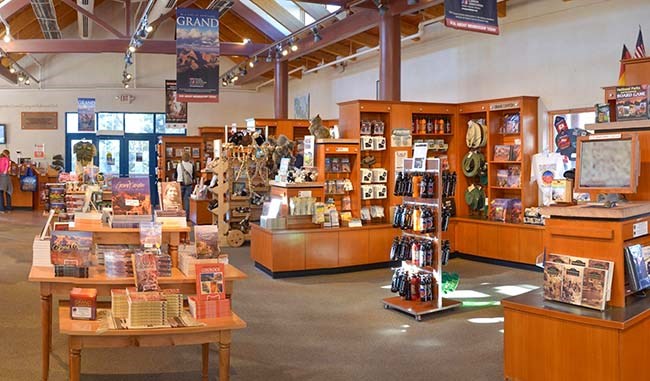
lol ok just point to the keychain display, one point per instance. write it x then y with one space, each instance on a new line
420 251
418 218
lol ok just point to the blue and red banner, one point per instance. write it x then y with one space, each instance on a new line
197 55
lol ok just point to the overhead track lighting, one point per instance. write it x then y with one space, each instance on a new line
269 58
292 44
149 28
317 36
246 40
12 69
253 62
7 37
27 83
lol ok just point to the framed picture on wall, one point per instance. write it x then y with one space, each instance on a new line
3 134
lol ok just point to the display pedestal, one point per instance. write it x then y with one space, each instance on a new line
546 340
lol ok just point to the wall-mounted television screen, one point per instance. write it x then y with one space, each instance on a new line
3 134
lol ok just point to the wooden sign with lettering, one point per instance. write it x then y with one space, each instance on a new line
38 120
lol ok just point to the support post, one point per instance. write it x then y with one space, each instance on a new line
281 87
389 57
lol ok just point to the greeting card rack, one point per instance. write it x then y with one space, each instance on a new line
419 308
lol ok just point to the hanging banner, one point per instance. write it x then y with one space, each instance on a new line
175 111
197 55
86 113
473 15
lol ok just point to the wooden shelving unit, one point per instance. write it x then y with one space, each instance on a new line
348 149
175 145
419 308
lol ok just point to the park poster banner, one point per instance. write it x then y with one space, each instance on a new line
473 15
197 55
175 111
86 114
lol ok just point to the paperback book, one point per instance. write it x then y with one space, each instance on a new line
131 196
70 253
206 238
146 271
501 152
210 283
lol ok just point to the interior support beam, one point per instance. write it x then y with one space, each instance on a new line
117 46
281 89
13 7
94 18
390 49
260 24
8 76
169 14
127 17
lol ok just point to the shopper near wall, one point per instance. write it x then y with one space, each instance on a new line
185 176
6 189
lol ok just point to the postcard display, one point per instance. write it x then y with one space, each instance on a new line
421 250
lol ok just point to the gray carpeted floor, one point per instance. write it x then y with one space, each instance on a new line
312 328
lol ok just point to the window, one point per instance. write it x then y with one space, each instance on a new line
72 124
161 127
110 121
139 123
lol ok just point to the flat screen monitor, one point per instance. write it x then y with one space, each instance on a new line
3 134
607 163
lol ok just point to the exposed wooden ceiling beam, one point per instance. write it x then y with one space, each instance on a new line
169 14
365 39
242 28
257 21
116 46
13 7
8 76
317 11
95 19
280 14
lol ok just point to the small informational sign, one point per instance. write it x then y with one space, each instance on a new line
399 161
420 151
39 151
39 120
304 194
309 151
640 229
284 166
132 202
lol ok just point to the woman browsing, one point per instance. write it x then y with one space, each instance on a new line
6 189
185 176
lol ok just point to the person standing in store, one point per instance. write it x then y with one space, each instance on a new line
185 176
6 189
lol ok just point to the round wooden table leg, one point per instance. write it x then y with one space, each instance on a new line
74 363
224 356
206 361
173 253
46 334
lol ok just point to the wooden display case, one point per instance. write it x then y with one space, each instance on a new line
170 149
294 129
341 149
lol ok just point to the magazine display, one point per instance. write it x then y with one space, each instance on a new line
580 281
636 267
70 253
206 238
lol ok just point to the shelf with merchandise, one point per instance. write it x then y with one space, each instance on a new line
420 287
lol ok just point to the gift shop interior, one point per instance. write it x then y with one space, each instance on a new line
324 190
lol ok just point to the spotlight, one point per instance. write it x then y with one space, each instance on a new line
149 28
128 58
243 71
27 82
126 85
292 45
268 58
7 37
132 48
278 52
246 40
12 70
253 62
317 36
21 77
224 82
234 78
285 52
127 76
142 33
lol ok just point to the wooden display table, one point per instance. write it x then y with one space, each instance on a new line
302 251
199 213
600 233
51 285
89 334
131 236
546 340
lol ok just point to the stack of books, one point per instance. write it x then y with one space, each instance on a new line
174 302
164 265
171 218
70 253
41 252
74 202
119 303
208 309
580 281
56 197
146 310
87 221
118 261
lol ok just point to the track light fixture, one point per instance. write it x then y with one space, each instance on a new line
7 37
27 82
292 44
314 31
246 40
253 62
149 28
243 71
21 77
224 82
278 51
12 69
234 78
269 58
132 48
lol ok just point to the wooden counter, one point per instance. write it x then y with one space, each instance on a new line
303 251
20 199
545 340
621 211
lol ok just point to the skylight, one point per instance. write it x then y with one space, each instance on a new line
266 16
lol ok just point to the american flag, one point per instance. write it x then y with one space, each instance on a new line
640 48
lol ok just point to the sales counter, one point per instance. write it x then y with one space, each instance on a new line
296 252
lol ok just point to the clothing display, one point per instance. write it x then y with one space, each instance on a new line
544 169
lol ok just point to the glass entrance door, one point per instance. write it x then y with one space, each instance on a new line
109 153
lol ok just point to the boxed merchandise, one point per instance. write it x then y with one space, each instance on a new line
366 143
378 127
83 304
367 192
378 143
379 175
345 165
631 102
366 127
502 178
602 112
379 191
366 176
